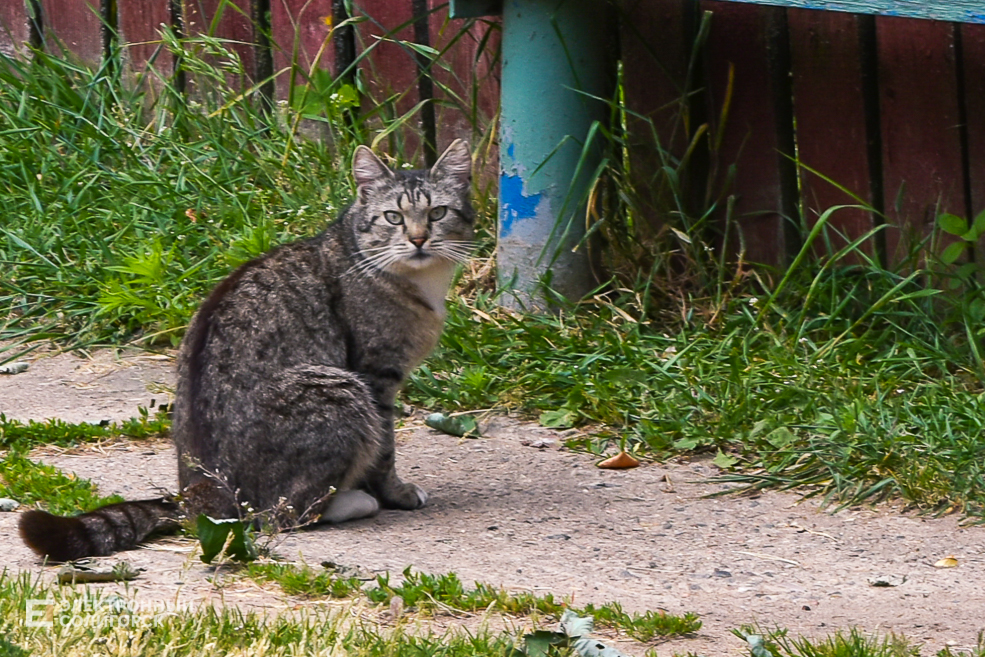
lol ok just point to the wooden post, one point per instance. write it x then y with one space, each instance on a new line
551 51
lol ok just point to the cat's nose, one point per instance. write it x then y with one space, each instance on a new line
418 241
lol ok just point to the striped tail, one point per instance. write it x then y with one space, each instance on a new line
98 533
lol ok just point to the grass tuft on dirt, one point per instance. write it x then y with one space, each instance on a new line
428 594
848 643
49 621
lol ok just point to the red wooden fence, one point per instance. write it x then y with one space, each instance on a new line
891 108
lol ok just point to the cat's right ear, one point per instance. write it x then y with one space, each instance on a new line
368 171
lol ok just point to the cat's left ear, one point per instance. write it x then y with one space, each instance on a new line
454 167
368 170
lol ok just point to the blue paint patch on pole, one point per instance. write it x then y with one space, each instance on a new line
557 62
514 205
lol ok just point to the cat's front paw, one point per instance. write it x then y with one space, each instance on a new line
422 496
404 496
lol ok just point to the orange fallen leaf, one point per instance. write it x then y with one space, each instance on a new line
947 562
620 461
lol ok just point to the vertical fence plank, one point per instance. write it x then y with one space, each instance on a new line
831 115
757 137
921 139
466 75
140 25
389 72
75 27
15 29
308 21
973 65
655 52
656 38
235 25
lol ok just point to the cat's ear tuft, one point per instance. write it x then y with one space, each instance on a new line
454 165
368 170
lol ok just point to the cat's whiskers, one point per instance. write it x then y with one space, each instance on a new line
455 250
371 261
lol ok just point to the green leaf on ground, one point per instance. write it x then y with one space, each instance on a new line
724 461
463 426
214 536
562 418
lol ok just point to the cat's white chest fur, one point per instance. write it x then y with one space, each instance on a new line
432 283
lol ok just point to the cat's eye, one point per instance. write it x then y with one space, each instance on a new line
438 213
394 218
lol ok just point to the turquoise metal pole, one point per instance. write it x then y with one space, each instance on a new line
551 50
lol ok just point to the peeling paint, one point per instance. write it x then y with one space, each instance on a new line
514 205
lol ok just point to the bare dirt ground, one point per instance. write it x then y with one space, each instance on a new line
505 511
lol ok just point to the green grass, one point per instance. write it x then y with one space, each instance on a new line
109 624
36 484
90 620
25 435
848 643
430 594
884 413
305 581
120 214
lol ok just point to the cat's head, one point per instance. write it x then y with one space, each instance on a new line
407 221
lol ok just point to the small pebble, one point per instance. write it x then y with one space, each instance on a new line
7 504
16 367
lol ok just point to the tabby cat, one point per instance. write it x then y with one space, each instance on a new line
288 373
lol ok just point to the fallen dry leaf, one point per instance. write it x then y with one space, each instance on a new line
947 562
620 461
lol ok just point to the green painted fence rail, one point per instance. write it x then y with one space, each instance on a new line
957 11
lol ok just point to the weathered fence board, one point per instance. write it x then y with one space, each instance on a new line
76 27
389 71
973 79
466 80
921 137
655 82
140 24
827 60
309 22
229 20
15 28
757 137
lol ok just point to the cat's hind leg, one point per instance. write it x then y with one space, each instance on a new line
309 428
